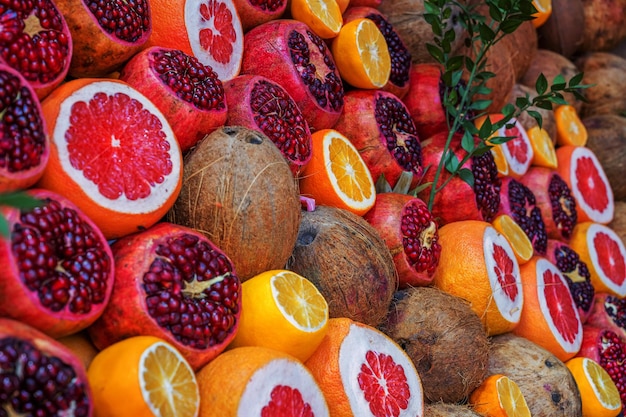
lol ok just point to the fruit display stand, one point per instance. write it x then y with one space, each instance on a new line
313 207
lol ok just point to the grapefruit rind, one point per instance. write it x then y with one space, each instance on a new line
159 194
593 232
510 309
352 353
517 168
605 215
286 372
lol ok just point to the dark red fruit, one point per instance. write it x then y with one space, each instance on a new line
40 376
189 94
36 41
609 311
287 52
519 202
576 274
24 143
57 268
258 103
411 234
609 350
379 126
458 200
554 198
254 12
172 282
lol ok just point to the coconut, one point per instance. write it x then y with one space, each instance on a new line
444 338
606 137
407 18
551 64
618 224
546 383
547 116
347 260
563 31
522 45
606 72
604 25
441 409
239 191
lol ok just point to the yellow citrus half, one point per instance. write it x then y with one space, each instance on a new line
598 392
520 243
322 16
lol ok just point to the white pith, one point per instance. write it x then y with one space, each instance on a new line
360 340
291 373
598 386
514 165
542 266
592 232
194 22
604 216
511 310
160 193
366 202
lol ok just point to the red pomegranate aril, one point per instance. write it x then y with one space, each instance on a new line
609 311
58 267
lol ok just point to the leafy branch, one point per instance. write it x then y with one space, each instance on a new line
465 79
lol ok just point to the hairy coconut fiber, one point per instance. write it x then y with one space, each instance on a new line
441 409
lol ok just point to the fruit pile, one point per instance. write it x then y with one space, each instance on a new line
226 208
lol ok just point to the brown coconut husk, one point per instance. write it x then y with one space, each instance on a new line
563 31
551 64
239 191
606 72
347 260
547 116
522 45
441 409
606 137
407 18
618 224
604 26
444 338
547 385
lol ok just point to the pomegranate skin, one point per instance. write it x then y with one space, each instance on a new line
190 120
33 251
253 13
410 233
279 50
145 274
36 349
609 311
379 126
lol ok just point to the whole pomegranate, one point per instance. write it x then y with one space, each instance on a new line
254 12
40 376
36 41
189 94
258 103
410 232
288 52
174 283
24 143
609 311
380 127
57 267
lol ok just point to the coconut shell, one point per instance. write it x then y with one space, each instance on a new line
618 224
546 383
551 64
606 72
239 191
347 260
407 18
441 409
522 45
604 26
563 31
547 116
444 338
606 137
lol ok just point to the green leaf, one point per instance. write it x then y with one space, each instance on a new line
485 75
511 25
522 102
486 129
4 227
19 200
541 85
469 63
576 79
558 99
382 185
495 14
481 89
431 8
499 140
466 175
480 104
543 104
508 110
537 116
467 142
451 162
558 79
580 96
455 63
486 33
435 52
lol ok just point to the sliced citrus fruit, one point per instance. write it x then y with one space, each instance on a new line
210 30
598 392
544 11
570 130
336 175
143 376
520 243
258 381
501 163
499 396
284 311
544 152
605 255
363 372
478 264
550 316
581 170
113 154
361 54
322 16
